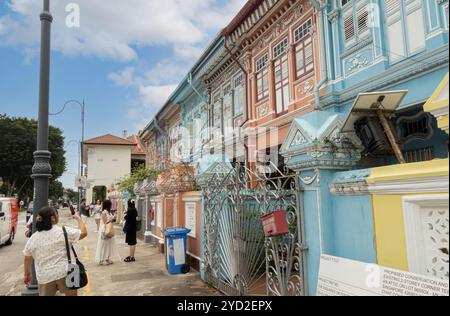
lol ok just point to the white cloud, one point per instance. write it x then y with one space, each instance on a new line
151 99
156 96
114 28
125 78
118 30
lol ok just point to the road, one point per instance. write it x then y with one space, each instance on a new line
11 257
147 276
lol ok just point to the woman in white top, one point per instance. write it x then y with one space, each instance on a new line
106 247
48 249
98 214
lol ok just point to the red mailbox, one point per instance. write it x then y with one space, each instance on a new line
275 224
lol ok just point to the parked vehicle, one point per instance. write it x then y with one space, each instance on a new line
9 219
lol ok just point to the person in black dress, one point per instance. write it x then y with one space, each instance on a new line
130 230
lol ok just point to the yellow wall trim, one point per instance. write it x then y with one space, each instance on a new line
438 105
433 103
419 170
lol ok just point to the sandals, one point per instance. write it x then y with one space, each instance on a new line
130 259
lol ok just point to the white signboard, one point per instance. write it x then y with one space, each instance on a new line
191 218
159 215
81 182
343 277
153 205
178 249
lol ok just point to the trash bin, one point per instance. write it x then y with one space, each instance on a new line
175 239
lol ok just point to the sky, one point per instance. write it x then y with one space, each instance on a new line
123 58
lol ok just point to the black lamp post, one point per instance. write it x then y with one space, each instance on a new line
81 170
42 171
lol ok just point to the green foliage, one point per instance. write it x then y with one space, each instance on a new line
140 173
18 143
56 190
71 194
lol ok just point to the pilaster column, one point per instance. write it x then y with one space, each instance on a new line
292 71
272 91
333 17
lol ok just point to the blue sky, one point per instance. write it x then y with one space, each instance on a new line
124 60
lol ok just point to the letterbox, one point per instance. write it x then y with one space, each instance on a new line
275 223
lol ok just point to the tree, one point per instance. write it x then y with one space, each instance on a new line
139 173
56 190
71 194
16 154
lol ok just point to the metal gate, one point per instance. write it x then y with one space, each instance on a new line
239 260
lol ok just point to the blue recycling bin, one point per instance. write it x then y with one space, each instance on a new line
175 239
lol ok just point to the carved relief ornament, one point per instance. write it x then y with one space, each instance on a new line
295 13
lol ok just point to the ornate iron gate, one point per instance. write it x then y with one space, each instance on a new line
239 260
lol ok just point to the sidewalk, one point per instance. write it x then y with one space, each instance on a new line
145 277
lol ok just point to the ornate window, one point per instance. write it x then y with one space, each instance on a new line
280 48
281 71
418 155
405 28
238 95
304 49
216 115
426 228
355 20
262 77
227 109
416 127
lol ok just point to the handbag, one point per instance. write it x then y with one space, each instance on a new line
109 230
76 275
138 224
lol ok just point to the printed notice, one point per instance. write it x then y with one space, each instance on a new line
191 218
178 249
343 277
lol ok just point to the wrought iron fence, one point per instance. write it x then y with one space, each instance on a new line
239 259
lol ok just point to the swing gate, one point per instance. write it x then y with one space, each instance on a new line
239 260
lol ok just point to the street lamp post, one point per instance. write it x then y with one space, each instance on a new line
81 170
42 171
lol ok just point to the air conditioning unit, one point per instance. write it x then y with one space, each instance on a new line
372 135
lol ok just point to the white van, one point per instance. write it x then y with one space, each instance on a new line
9 218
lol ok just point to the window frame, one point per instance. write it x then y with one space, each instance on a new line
406 44
283 59
351 9
302 41
261 72
236 86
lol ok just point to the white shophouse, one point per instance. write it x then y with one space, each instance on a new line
108 159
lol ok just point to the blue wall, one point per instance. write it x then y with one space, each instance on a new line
340 226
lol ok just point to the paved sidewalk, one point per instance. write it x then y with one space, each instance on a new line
145 277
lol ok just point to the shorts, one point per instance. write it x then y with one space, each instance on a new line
50 289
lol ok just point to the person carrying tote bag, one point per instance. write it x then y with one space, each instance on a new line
106 244
109 231
76 276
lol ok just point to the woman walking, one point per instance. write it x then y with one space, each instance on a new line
47 247
131 230
106 246
98 214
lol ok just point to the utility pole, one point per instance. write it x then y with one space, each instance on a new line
42 171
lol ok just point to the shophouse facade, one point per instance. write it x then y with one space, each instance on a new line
272 114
